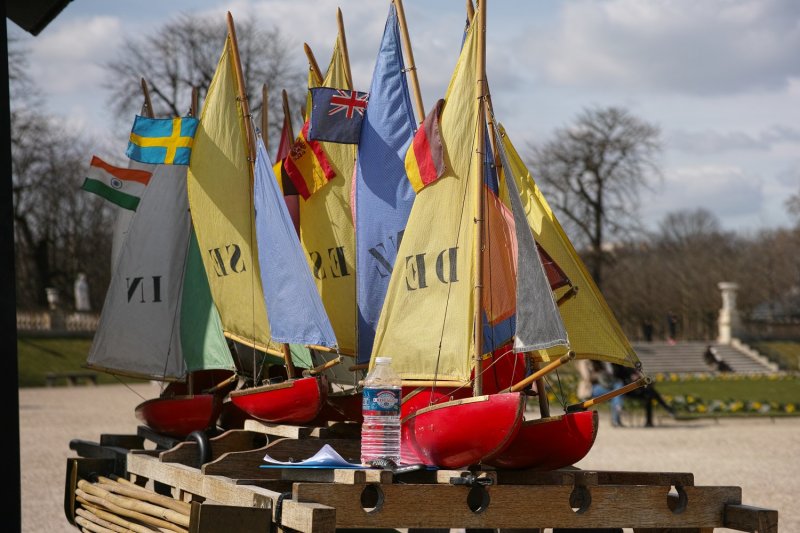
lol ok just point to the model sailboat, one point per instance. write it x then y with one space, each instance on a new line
158 321
469 282
258 275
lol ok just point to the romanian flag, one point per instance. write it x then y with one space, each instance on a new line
162 141
425 156
122 186
307 165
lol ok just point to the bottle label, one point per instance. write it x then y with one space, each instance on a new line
381 401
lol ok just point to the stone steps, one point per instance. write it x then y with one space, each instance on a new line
687 358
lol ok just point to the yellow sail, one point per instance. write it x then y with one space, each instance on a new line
594 332
326 226
221 202
426 323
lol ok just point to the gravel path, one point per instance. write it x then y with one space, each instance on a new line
758 455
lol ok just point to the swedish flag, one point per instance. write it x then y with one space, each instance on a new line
162 141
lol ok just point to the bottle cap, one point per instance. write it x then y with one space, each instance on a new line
383 359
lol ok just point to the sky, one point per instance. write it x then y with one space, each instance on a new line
720 78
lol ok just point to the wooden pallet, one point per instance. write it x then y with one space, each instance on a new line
232 493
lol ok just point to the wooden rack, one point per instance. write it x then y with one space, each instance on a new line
233 493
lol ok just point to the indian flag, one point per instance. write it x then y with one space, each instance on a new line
122 186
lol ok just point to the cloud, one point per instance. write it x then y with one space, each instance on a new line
713 142
703 48
70 56
726 190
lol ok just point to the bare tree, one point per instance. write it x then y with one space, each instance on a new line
593 172
793 207
675 269
59 229
183 54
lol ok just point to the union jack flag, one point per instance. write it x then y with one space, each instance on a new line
349 102
336 115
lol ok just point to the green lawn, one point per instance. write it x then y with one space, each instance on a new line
733 395
709 395
37 356
785 353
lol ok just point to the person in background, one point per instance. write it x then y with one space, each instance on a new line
647 394
713 359
672 327
603 380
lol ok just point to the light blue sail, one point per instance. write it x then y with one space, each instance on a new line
383 195
294 308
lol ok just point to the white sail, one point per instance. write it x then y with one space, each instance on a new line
139 329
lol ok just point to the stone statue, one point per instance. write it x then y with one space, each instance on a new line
82 303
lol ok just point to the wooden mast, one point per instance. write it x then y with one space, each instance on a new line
313 65
194 107
251 147
480 95
343 44
148 105
287 115
265 116
411 67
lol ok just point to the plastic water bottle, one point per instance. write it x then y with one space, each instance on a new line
380 431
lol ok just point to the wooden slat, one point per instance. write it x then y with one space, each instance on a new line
552 477
344 476
684 479
752 519
234 440
340 430
309 517
521 506
241 465
191 480
674 530
210 518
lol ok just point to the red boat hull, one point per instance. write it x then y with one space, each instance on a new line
178 416
297 401
459 433
549 443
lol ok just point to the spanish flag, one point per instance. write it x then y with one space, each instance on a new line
307 165
425 156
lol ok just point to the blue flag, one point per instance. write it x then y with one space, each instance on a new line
162 141
383 195
294 307
336 115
